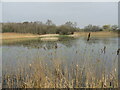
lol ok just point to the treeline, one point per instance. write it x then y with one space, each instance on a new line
94 28
50 28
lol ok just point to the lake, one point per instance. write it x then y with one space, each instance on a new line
97 55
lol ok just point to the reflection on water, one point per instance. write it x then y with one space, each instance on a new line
37 43
67 50
66 41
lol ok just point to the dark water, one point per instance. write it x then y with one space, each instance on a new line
101 52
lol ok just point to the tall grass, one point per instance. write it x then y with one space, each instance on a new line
40 75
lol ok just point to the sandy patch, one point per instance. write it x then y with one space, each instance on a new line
49 35
49 38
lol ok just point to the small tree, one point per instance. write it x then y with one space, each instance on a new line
71 24
49 22
114 27
92 28
106 27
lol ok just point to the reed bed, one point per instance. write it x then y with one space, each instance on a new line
40 75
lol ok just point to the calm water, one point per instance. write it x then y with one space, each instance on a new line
101 52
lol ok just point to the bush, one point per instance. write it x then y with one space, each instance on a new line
92 28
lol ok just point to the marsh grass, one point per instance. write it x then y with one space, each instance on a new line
41 75
57 74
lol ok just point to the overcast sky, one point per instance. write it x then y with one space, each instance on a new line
84 13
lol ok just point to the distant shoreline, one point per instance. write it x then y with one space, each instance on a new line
4 36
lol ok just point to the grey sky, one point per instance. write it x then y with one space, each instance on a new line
84 13
0 12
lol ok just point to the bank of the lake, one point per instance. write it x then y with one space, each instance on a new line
55 36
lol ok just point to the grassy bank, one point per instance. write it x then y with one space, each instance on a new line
97 34
76 34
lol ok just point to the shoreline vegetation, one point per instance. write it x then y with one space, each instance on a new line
10 35
51 31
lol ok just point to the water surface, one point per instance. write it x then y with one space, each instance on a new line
100 52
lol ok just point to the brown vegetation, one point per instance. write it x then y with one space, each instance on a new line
76 34
38 74
97 34
22 35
